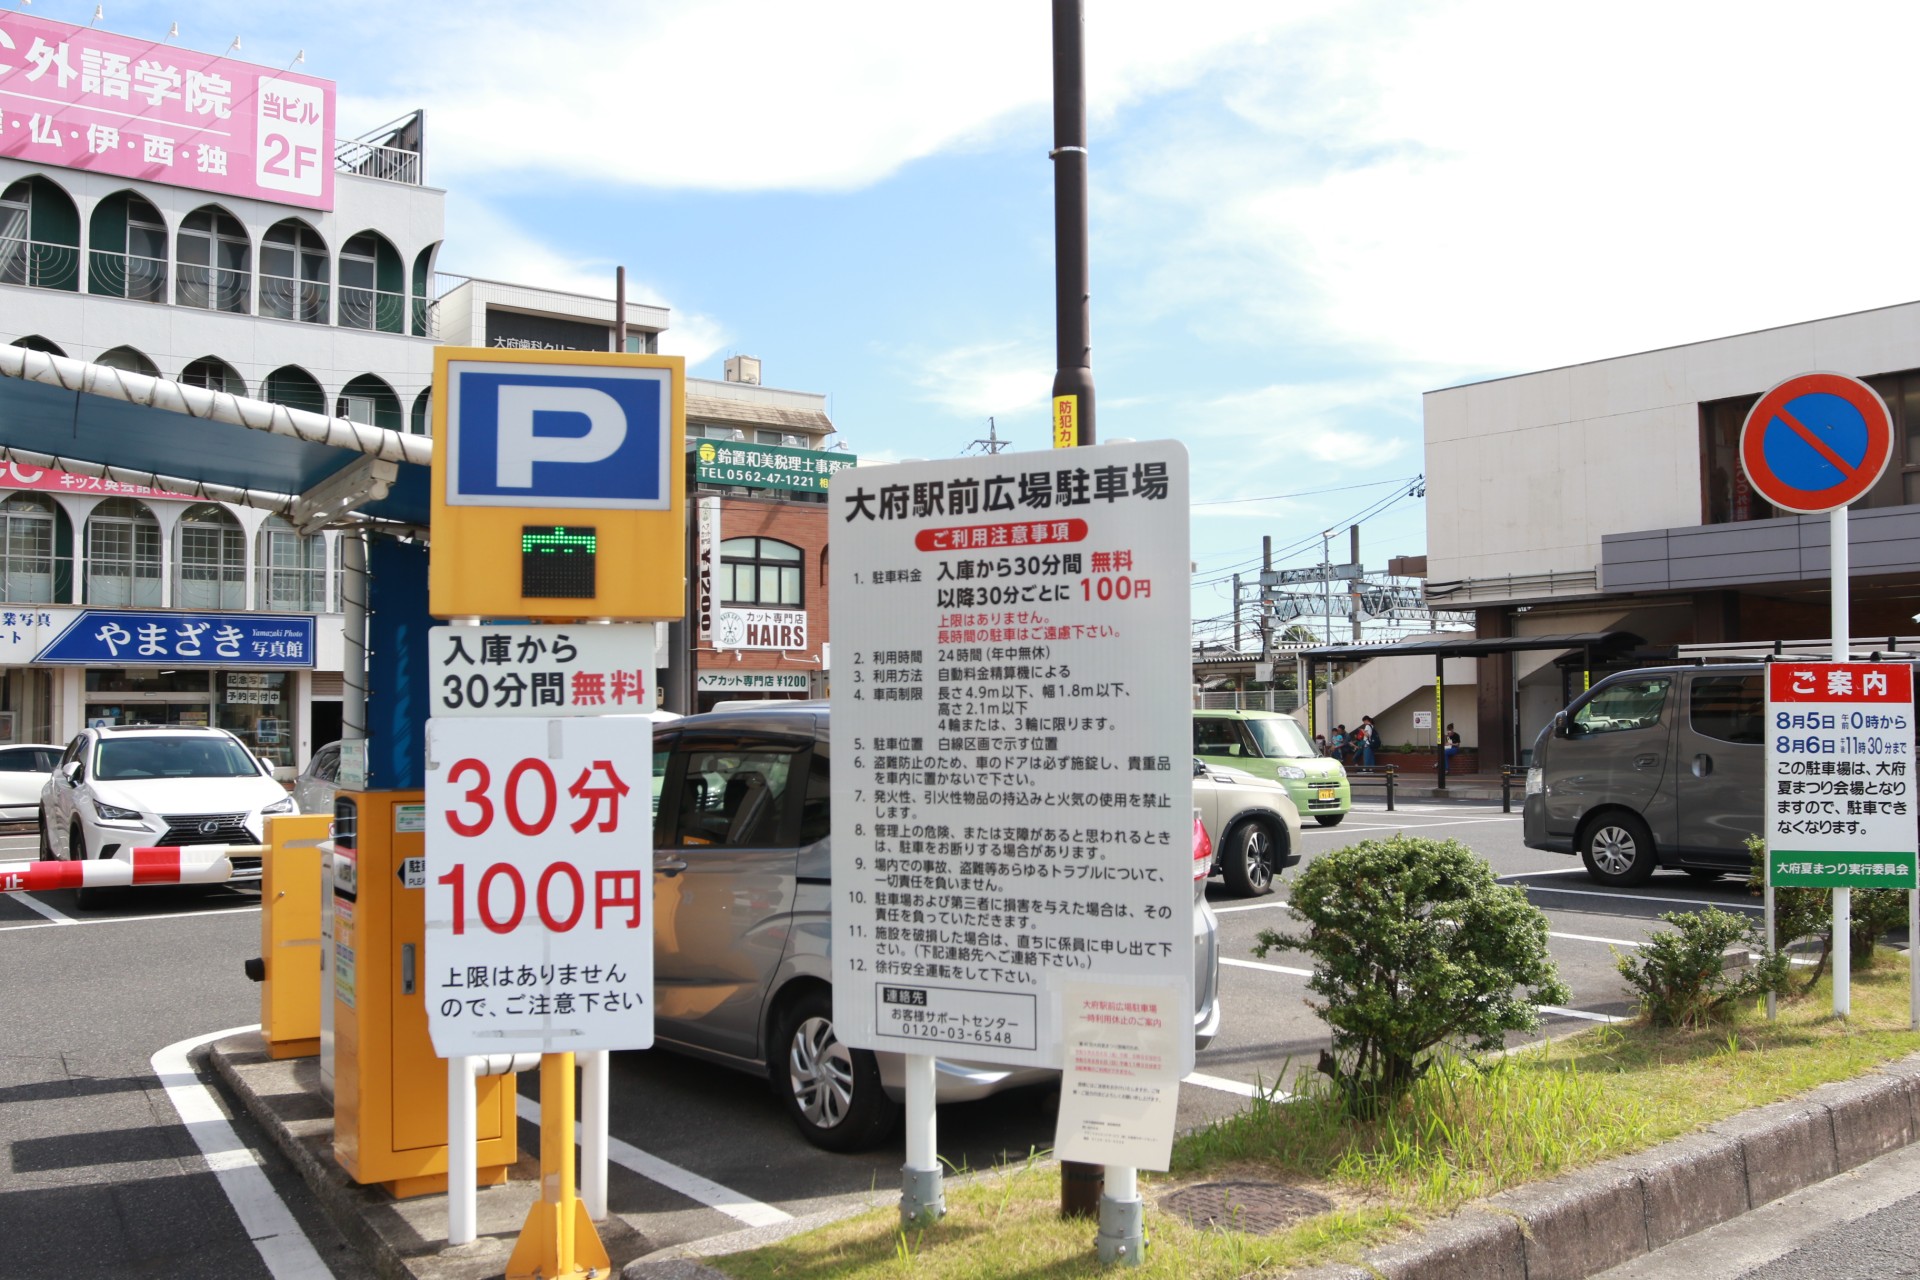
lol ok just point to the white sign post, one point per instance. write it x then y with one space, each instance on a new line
568 669
1012 738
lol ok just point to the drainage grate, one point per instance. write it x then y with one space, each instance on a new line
1257 1208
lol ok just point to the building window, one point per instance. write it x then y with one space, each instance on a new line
127 249
293 569
370 400
128 359
761 571
215 262
39 236
26 549
1729 498
294 387
123 554
214 374
372 290
294 273
213 560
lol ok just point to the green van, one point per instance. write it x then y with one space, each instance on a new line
1268 744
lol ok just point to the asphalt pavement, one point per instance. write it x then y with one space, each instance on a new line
101 1171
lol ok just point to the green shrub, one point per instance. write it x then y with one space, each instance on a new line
1416 948
1681 974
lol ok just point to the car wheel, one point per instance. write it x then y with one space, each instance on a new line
1705 875
1251 860
1618 850
1328 819
46 840
77 852
832 1091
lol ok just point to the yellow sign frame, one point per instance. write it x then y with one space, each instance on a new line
641 555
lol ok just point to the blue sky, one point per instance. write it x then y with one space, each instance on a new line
1305 212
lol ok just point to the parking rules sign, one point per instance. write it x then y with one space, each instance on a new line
1839 776
550 465
1012 744
539 879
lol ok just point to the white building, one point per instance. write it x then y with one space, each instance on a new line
1609 496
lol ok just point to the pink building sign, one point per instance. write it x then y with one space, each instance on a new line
18 475
86 99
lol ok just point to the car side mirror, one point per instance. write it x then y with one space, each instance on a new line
1199 769
1562 727
70 771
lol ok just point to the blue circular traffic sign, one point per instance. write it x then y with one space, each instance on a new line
1816 442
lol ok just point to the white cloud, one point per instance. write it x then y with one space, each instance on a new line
996 379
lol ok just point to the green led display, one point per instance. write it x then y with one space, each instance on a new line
557 561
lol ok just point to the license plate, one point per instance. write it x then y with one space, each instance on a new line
1328 793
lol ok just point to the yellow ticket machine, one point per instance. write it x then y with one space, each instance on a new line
290 950
389 1091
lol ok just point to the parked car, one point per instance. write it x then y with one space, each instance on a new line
1274 746
743 934
314 786
24 770
120 787
1257 826
1659 767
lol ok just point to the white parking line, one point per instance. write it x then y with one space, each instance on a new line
165 915
1270 968
268 1222
674 1178
1553 1009
1386 823
1587 937
1518 876
1556 1011
1634 897
32 903
1276 904
1238 1087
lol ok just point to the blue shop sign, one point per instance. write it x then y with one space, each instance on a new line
111 638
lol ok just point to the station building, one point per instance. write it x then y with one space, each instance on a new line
1608 497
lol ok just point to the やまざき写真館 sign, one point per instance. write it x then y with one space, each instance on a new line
1816 442
1839 775
80 98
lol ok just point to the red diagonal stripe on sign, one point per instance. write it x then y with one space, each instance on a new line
1820 446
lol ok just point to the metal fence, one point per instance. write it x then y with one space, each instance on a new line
1284 700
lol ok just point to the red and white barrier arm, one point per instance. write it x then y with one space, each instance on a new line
164 864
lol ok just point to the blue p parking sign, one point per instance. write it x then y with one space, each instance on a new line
530 435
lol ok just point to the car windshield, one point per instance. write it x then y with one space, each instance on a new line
126 759
1280 738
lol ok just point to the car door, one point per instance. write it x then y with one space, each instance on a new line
1614 752
1718 766
726 845
59 797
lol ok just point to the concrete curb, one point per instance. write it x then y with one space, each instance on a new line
1587 1221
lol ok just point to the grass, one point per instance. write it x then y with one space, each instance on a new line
1468 1130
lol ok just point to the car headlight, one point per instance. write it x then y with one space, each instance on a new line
1536 781
280 806
1292 771
114 813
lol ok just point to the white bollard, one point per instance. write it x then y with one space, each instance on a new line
594 1070
463 1152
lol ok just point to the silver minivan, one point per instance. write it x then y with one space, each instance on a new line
743 930
1659 767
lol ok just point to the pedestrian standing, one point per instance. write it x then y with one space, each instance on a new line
1369 738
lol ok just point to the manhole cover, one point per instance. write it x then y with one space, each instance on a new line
1258 1208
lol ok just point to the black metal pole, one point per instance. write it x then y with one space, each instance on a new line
1440 718
1073 332
683 637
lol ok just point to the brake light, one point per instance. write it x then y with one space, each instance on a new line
1202 849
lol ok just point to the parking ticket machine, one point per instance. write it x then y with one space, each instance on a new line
389 1090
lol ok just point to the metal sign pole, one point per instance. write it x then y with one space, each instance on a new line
923 1200
1842 949
1766 900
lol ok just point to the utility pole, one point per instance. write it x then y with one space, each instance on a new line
1236 615
1353 584
992 444
1266 618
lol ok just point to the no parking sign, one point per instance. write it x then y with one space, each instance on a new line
1816 442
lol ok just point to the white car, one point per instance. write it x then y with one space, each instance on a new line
1254 824
24 770
131 786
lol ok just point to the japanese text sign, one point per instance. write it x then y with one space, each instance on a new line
1120 1095
767 466
541 670
134 638
1011 805
539 879
18 475
1839 781
80 98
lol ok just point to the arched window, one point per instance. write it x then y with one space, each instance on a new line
422 424
39 236
295 388
370 400
129 359
760 571
127 249
426 308
29 523
294 273
214 374
34 342
215 262
373 286
293 569
213 560
123 554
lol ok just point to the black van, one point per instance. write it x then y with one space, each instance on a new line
1659 767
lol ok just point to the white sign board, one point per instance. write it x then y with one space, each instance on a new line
1423 719
1839 774
1120 1094
759 628
709 579
1012 803
539 885
352 774
576 669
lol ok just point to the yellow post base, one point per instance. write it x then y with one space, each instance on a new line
558 1240
308 1048
433 1184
